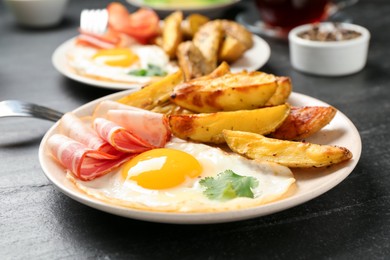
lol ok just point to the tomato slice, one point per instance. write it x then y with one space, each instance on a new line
142 24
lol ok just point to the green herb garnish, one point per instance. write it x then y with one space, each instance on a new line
228 185
151 71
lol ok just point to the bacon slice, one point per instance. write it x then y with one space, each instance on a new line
85 163
150 126
121 133
103 107
73 127
94 41
120 138
111 39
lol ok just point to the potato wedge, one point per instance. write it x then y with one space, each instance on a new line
155 93
231 91
221 70
192 23
287 153
302 122
170 108
208 39
172 35
208 127
192 61
231 49
282 92
237 31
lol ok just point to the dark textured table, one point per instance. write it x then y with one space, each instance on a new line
38 222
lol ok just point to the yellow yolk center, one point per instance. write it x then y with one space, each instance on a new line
116 57
161 168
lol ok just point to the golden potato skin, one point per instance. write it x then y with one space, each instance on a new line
207 127
303 122
192 61
237 31
172 35
155 93
288 153
208 39
282 92
229 92
231 49
192 23
221 70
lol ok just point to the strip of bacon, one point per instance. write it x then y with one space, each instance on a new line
75 128
91 41
120 138
102 108
90 152
85 163
150 126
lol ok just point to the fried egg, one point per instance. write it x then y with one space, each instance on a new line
168 180
120 63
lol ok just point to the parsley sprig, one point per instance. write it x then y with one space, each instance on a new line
228 185
152 70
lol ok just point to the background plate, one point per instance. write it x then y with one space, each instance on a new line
252 59
210 10
310 182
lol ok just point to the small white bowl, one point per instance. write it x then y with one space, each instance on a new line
37 13
329 58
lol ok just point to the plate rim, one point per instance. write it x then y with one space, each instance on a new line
59 62
138 3
200 218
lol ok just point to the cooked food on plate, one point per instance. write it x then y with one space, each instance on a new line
216 149
139 48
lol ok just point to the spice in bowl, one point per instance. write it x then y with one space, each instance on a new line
333 32
329 49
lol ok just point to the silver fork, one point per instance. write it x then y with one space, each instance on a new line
94 20
17 108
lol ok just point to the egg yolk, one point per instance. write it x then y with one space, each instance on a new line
161 168
116 57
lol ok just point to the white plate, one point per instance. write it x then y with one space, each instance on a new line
310 182
252 59
211 10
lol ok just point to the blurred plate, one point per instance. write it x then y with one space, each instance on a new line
207 8
252 59
311 183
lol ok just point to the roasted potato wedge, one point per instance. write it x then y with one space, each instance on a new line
192 23
170 108
207 127
302 122
288 153
172 35
231 49
237 31
208 39
231 91
192 61
154 94
282 92
221 70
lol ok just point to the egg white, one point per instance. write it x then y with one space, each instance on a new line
80 59
274 182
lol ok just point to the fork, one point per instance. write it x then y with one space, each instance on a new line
94 20
17 108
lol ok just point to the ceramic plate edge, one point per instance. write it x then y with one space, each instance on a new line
138 3
200 218
60 64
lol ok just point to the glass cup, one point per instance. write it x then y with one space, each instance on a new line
278 17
